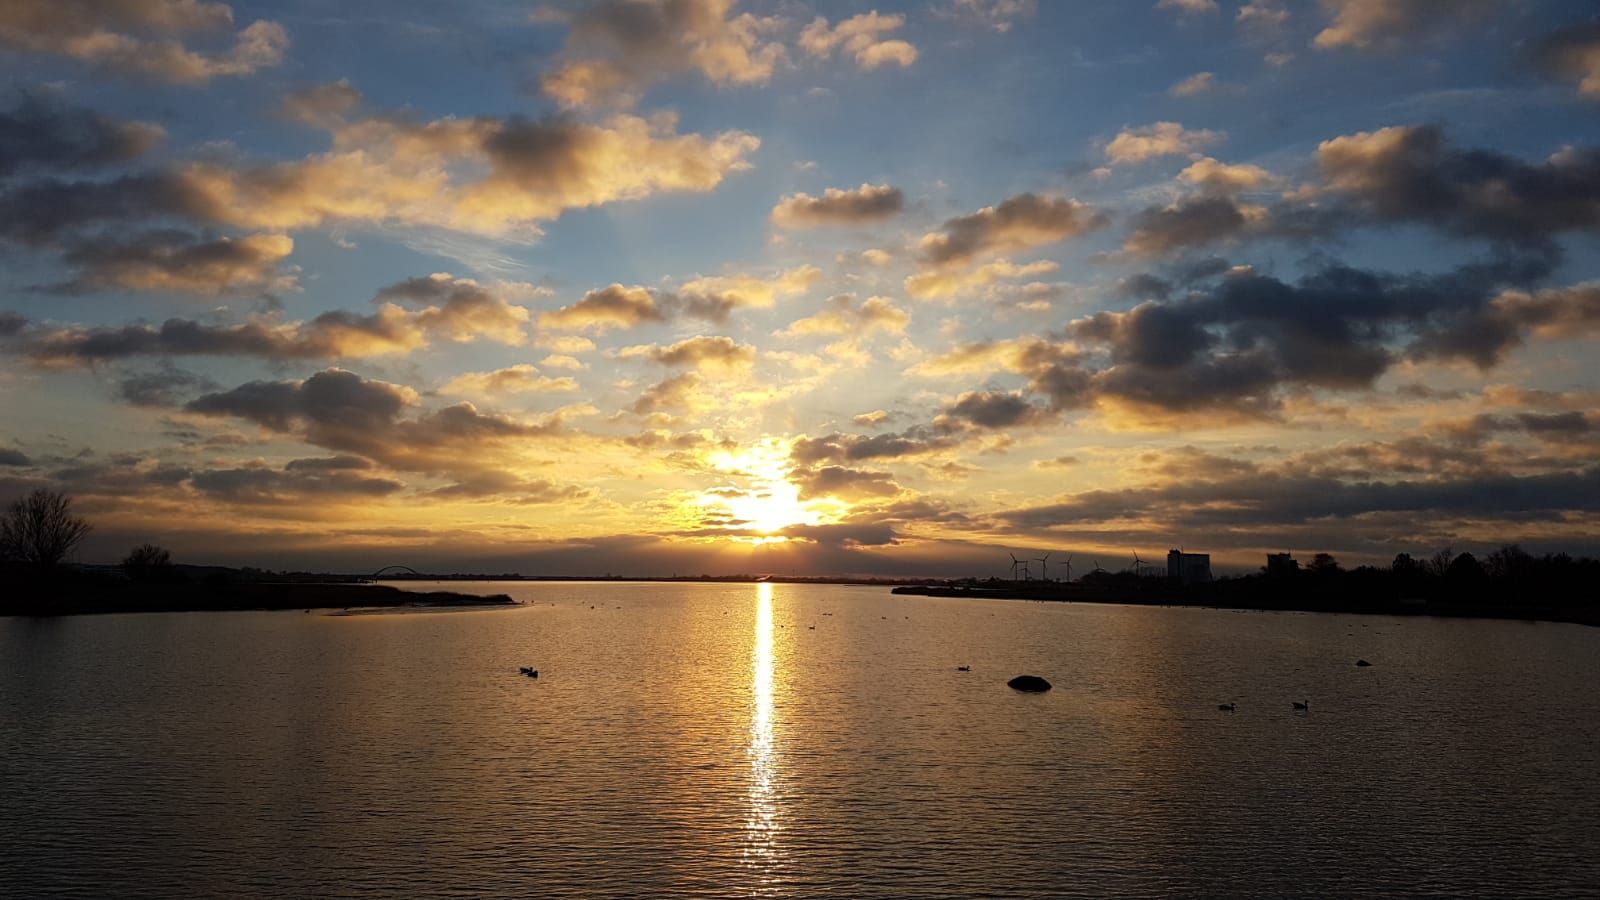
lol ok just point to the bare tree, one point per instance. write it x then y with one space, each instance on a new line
147 562
40 529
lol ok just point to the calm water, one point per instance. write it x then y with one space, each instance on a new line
791 741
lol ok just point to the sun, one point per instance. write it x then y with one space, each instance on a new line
762 500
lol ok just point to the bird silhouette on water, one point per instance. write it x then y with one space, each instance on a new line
1227 707
1303 704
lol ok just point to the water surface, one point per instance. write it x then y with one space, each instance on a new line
785 740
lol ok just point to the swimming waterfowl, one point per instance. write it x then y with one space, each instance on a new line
1226 707
1302 704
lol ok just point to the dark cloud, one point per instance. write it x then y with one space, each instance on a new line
616 49
10 457
1572 54
839 447
606 308
334 398
331 335
1413 174
700 352
141 37
990 410
1237 342
261 484
843 482
1261 501
39 212
350 415
40 134
165 387
1192 222
179 262
1018 223
863 205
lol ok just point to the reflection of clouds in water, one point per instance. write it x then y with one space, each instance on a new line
762 824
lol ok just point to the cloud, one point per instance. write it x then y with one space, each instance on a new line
459 309
939 283
1194 85
41 134
1263 15
1225 178
1158 139
178 262
675 394
700 353
996 15
332 335
617 49
843 483
107 36
1413 174
164 387
1189 7
1193 222
1264 502
324 106
486 176
861 37
713 297
343 412
1023 222
518 379
607 308
841 315
1572 54
842 448
1367 23
325 480
865 204
990 410
1234 346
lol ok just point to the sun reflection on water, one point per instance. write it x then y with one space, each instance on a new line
762 826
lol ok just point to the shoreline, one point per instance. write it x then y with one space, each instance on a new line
1524 613
70 599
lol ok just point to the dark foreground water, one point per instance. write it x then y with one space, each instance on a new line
792 741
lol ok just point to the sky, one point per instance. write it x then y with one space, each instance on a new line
703 286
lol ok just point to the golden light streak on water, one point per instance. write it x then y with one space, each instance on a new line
762 825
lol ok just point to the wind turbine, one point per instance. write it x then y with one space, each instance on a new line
1044 567
1069 569
1014 564
1136 561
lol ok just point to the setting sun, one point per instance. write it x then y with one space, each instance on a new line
761 501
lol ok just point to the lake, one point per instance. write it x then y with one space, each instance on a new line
795 740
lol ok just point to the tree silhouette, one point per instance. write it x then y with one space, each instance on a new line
147 562
40 529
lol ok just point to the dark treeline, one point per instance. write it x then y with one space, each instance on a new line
39 532
1507 576
1506 583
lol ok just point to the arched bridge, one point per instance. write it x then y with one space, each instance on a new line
387 570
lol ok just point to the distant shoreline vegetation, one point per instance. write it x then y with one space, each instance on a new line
1507 584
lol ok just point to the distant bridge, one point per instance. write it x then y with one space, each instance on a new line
386 569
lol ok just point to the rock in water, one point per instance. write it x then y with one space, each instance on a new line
1033 684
